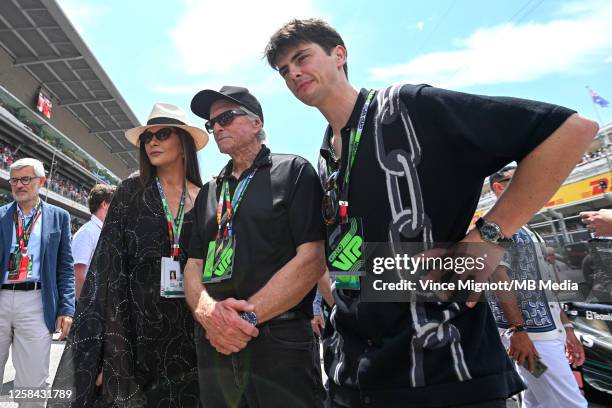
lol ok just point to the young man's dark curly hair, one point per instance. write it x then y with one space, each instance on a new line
296 32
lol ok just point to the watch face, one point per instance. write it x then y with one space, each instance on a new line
249 317
489 232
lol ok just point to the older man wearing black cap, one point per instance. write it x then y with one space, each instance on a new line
255 255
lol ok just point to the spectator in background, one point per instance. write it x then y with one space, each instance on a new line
56 182
7 157
598 222
549 337
85 240
324 293
561 270
67 188
597 266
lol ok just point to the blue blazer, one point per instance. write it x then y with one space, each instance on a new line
56 268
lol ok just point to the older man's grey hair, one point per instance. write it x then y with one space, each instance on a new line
261 136
39 168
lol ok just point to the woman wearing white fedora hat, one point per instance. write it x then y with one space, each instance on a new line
131 343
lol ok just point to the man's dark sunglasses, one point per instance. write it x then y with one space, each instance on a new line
25 180
329 206
223 119
161 135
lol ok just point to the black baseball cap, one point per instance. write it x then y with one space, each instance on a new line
201 102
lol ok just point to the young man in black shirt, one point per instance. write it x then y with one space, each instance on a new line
256 253
399 145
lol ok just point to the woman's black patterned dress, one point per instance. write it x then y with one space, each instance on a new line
143 342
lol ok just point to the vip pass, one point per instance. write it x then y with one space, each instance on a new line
220 253
219 259
225 261
347 255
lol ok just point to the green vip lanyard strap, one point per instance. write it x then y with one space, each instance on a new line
174 226
351 281
354 141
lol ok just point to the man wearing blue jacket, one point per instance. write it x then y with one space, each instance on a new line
37 292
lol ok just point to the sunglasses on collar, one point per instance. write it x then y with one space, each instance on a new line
223 119
330 204
504 180
161 135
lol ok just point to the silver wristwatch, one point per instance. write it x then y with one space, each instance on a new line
490 232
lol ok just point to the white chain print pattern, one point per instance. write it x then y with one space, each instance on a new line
409 220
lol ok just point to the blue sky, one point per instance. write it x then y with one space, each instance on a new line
167 51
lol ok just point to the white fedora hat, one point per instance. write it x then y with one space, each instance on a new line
165 114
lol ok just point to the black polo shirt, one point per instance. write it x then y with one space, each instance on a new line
418 175
279 211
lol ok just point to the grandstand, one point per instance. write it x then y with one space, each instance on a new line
589 187
58 105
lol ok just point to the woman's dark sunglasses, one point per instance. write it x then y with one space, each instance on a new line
223 119
329 206
161 135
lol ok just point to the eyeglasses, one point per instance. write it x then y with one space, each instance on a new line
329 206
25 180
223 119
161 135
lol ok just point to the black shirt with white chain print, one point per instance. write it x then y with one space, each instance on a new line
417 177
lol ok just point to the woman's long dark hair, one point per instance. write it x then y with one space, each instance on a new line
192 173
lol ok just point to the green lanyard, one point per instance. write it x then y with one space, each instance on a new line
354 140
231 203
174 226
